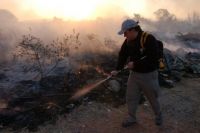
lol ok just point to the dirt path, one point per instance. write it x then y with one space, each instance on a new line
180 106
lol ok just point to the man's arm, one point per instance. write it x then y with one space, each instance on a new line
123 55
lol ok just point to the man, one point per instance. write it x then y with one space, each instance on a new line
143 65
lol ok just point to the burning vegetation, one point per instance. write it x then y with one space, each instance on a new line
39 84
49 93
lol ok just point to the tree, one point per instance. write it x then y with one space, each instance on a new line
39 57
164 15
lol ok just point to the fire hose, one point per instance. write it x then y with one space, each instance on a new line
88 88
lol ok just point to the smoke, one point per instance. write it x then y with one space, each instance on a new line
167 27
181 8
25 10
98 35
8 33
93 33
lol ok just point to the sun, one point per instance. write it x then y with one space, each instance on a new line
69 9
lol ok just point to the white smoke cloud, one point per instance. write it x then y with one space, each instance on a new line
11 29
181 8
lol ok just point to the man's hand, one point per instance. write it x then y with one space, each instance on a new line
130 65
114 73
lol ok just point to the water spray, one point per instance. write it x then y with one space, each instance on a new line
88 88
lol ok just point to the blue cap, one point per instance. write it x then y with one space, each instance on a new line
127 24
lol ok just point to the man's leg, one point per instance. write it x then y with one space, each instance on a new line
132 99
150 87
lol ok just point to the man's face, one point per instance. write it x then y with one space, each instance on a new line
130 34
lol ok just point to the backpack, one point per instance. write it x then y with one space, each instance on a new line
160 49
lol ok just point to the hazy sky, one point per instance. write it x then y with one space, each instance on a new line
91 9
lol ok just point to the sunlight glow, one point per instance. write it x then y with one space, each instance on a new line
70 9
135 6
81 9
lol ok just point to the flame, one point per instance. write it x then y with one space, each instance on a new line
86 89
101 71
3 104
